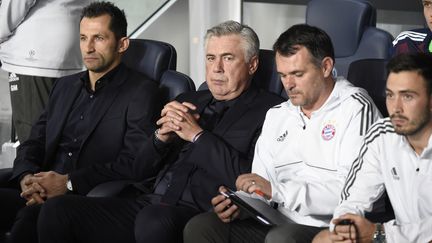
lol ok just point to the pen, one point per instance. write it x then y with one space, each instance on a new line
259 192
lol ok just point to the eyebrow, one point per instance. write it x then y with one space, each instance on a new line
405 91
223 54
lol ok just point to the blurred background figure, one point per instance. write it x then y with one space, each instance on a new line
416 40
38 43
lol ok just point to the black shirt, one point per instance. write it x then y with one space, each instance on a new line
78 121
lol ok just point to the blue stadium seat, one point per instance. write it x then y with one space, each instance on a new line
351 26
371 74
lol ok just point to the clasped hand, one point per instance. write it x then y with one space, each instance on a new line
38 187
178 119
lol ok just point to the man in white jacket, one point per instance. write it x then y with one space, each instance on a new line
396 157
38 43
305 150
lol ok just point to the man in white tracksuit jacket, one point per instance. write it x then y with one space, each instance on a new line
305 150
397 157
38 43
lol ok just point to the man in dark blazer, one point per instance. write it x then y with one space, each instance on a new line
99 116
205 139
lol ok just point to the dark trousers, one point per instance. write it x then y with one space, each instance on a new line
208 228
29 96
16 217
83 219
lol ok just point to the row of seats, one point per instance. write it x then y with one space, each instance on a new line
361 52
351 24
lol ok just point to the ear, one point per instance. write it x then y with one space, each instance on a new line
253 65
327 65
123 44
430 102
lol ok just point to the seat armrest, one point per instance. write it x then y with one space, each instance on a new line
109 189
5 175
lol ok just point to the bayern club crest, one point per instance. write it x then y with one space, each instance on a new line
328 132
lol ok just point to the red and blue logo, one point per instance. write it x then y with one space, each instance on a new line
328 132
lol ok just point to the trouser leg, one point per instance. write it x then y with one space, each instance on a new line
292 233
10 204
87 220
29 96
162 223
24 228
209 228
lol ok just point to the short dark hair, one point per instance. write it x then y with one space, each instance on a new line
315 40
118 23
418 62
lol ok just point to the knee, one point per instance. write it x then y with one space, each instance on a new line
52 214
322 237
200 228
28 213
279 234
152 224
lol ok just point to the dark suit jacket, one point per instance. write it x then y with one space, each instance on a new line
217 157
123 117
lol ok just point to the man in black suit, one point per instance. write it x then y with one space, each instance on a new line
205 139
99 116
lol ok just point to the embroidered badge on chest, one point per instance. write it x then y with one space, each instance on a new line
328 132
282 137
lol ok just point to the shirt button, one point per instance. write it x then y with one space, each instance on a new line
168 185
81 117
75 140
70 154
91 96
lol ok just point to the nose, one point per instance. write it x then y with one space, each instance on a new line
288 82
395 105
88 46
218 65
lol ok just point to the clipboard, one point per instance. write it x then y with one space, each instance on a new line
256 208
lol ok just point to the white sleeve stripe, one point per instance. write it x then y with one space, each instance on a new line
378 129
367 115
416 36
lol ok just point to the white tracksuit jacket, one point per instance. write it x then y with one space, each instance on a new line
388 162
307 160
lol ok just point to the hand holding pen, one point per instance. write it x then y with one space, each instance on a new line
253 183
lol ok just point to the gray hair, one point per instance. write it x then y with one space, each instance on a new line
230 27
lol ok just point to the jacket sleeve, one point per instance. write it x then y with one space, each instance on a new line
301 196
140 123
31 153
364 184
12 13
223 162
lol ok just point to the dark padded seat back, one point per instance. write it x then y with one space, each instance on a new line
375 43
343 20
371 74
266 76
351 27
174 83
150 57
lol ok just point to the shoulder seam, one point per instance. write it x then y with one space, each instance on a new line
378 129
366 111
